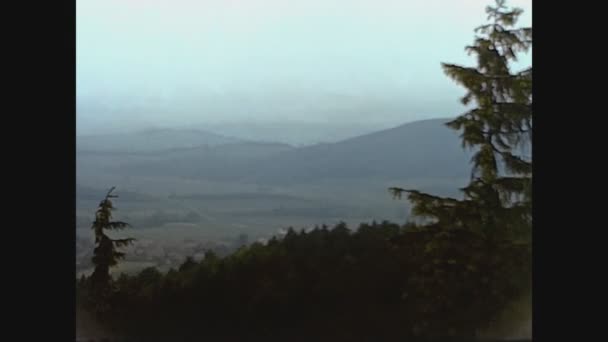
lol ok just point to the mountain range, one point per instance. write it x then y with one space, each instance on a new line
421 149
152 140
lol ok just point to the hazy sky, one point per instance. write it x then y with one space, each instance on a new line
175 62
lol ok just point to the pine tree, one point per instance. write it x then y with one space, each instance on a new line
498 199
106 253
482 243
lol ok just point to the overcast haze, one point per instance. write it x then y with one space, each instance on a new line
144 63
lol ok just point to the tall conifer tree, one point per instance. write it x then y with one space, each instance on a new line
478 248
497 201
106 253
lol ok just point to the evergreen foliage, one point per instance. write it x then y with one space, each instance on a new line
106 254
494 218
497 201
381 281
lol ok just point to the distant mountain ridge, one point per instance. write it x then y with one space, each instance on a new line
151 140
193 150
294 133
418 149
421 149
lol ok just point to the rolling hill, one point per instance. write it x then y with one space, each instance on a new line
421 149
150 140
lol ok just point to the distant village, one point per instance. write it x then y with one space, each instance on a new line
148 253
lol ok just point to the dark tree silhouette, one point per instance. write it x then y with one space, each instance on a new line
491 227
498 198
105 253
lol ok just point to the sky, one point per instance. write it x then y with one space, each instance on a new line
143 63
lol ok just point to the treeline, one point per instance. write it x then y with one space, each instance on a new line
380 282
